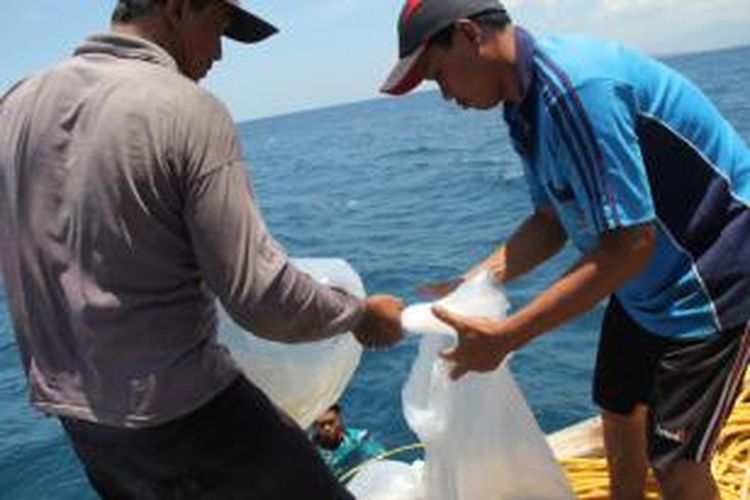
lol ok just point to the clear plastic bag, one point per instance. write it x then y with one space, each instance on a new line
388 480
481 439
303 379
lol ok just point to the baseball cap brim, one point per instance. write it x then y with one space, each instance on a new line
246 27
407 74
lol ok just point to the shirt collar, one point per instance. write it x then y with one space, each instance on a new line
520 115
525 45
126 47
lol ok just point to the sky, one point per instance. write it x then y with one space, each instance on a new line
337 51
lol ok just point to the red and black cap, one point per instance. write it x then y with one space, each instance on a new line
419 21
246 27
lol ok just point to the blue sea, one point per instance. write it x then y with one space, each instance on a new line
408 191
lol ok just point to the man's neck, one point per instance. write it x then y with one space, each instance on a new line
505 53
152 29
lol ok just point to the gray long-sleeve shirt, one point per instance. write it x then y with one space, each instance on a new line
125 209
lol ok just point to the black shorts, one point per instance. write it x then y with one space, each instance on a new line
689 385
238 446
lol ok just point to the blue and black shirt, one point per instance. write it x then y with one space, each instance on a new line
611 139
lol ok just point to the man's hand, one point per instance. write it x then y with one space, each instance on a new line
481 345
381 323
439 289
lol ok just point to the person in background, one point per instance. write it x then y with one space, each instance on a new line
343 448
633 164
125 212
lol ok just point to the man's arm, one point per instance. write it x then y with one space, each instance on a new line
238 258
536 240
261 290
483 343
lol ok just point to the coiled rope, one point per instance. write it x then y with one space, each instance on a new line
730 465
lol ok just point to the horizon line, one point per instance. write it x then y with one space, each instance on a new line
315 108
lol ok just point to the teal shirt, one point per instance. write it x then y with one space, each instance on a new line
357 447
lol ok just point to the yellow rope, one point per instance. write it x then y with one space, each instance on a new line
730 465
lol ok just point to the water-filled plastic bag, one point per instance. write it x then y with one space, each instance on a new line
303 379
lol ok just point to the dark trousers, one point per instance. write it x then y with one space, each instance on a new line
236 446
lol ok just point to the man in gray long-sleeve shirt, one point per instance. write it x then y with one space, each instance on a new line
125 210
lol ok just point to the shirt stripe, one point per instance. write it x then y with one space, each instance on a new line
560 114
568 93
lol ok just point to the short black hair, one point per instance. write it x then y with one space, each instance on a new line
127 10
494 18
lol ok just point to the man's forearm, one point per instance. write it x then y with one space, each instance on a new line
249 271
536 240
618 258
296 308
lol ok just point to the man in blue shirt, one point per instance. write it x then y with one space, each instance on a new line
633 164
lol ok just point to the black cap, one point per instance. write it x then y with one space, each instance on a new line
246 27
419 21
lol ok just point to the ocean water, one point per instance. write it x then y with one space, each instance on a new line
408 191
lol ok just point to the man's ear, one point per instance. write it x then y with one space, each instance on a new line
175 11
471 30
